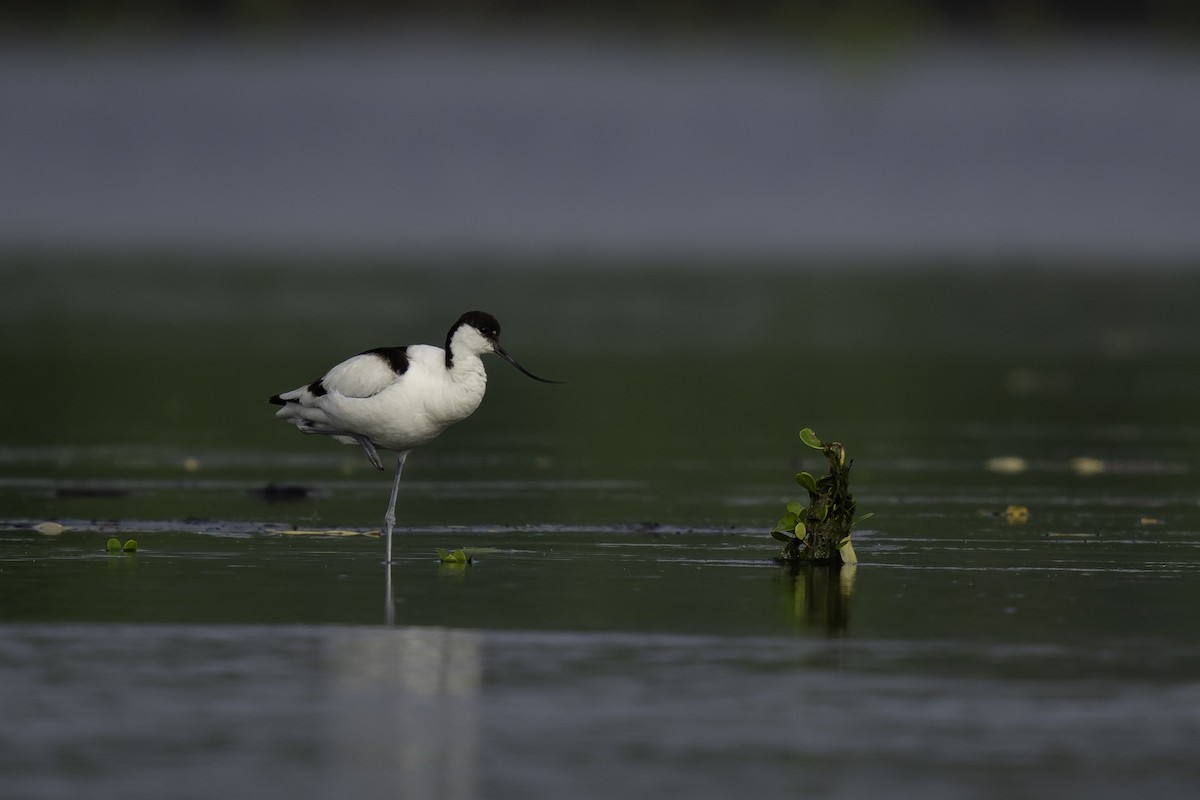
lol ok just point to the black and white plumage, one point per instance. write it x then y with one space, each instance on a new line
399 398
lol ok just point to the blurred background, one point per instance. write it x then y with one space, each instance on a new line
760 130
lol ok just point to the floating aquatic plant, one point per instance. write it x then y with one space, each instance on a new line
819 532
113 546
459 556
463 555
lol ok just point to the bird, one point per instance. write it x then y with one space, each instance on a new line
399 398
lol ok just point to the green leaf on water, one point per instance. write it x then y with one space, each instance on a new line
809 438
113 545
130 546
807 481
786 522
782 536
459 556
801 530
796 508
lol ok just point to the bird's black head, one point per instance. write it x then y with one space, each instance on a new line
481 321
489 329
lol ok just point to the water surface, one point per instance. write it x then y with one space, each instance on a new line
622 631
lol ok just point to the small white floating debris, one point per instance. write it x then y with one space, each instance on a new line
1017 515
1008 465
49 528
332 532
1087 466
191 464
1062 535
1151 521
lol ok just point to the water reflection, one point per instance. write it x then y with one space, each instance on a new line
389 599
821 595
404 718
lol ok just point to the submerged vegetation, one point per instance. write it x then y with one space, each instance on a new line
819 533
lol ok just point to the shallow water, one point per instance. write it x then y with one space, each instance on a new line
622 631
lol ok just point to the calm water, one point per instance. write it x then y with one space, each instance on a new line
622 632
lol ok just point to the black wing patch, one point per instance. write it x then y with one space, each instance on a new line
396 357
316 389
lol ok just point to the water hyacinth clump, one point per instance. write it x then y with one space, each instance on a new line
819 532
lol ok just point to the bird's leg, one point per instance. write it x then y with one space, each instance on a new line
389 519
369 449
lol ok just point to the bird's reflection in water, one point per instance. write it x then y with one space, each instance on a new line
403 707
389 598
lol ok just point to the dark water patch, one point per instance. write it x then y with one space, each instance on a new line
285 493
680 579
